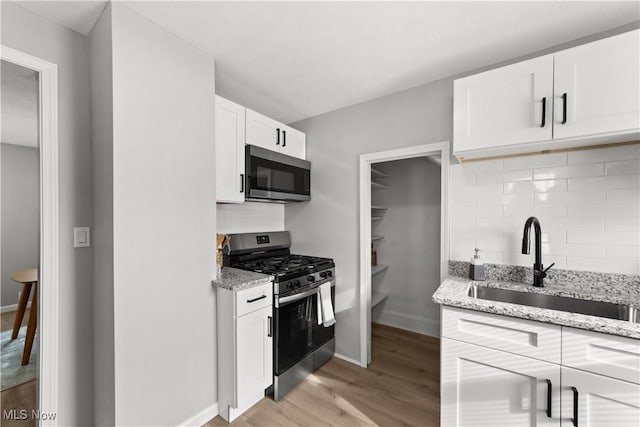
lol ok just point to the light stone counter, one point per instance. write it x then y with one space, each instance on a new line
619 289
236 280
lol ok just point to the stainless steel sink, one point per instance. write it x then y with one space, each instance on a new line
571 305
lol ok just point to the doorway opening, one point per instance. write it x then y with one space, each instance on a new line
418 178
40 281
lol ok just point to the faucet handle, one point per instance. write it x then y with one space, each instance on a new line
549 268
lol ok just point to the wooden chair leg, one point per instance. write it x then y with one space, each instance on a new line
31 327
22 306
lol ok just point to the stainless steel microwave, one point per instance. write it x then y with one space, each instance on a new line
270 175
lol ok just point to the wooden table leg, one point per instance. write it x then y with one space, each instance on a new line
22 306
31 327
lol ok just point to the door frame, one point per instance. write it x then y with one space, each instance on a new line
366 160
48 308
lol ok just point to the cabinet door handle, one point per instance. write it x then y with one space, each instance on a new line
574 420
256 299
549 387
270 333
284 138
564 108
242 183
544 111
278 136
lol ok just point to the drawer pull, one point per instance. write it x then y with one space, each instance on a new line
574 420
256 299
549 387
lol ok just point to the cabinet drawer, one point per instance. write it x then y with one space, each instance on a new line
519 336
610 355
252 299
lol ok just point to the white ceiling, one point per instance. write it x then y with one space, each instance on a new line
19 105
292 60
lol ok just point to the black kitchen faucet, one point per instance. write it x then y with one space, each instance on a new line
539 273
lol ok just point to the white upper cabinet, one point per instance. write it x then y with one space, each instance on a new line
294 143
597 87
273 135
230 136
581 96
509 105
263 131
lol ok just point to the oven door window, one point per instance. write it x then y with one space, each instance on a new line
268 175
298 332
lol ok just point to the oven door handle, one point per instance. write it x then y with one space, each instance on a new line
297 297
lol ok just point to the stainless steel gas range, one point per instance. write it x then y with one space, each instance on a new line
303 318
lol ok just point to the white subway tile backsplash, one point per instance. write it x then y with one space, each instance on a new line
478 189
603 182
466 200
463 176
483 166
594 251
603 265
249 217
622 252
536 161
621 210
570 197
500 177
536 210
623 195
622 224
588 204
624 167
603 237
607 154
592 169
535 186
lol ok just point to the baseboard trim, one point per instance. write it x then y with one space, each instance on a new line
12 307
409 322
348 359
202 417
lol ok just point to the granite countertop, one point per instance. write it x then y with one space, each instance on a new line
236 280
619 289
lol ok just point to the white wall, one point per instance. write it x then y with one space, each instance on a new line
102 141
164 224
19 200
163 237
249 217
30 33
587 203
328 224
411 245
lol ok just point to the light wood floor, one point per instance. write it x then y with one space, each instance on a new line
22 396
401 387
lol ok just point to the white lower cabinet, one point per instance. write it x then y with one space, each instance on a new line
245 348
591 400
493 375
486 387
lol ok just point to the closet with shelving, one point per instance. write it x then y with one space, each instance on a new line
378 212
405 243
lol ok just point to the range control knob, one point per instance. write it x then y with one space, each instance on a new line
296 283
311 279
324 274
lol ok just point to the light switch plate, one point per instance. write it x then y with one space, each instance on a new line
81 237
